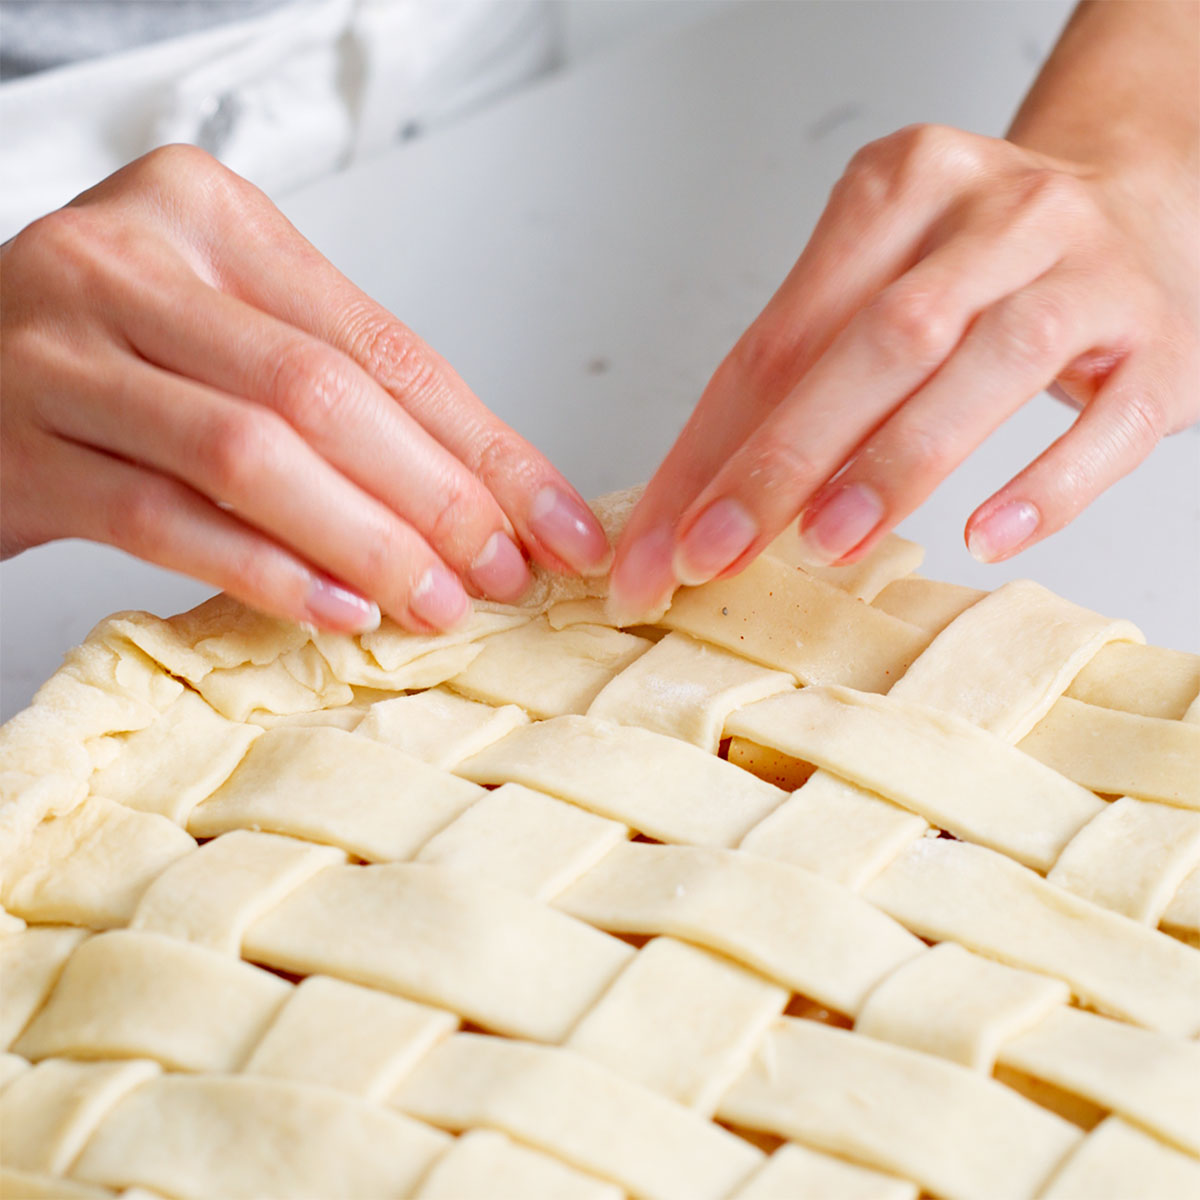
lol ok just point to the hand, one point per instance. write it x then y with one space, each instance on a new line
186 378
951 278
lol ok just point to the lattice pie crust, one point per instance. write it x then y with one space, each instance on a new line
842 884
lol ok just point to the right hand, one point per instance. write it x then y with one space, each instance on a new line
186 378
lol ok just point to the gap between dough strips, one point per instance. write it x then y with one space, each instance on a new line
844 884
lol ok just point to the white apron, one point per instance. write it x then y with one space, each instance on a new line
281 98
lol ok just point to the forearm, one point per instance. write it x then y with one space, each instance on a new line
1121 89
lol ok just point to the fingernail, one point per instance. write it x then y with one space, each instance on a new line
569 529
336 607
439 599
840 523
721 533
643 581
499 572
1003 531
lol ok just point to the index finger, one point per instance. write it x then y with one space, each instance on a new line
860 244
285 275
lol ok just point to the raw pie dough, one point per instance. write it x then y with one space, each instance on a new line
843 884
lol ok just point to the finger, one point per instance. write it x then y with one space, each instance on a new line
285 276
885 182
890 349
163 521
1012 352
339 410
550 517
832 278
874 229
1110 437
248 459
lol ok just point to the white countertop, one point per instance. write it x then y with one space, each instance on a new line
586 252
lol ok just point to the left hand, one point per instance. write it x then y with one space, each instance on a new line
951 278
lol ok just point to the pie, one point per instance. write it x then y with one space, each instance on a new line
843 884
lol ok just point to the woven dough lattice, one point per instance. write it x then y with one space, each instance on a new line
841 884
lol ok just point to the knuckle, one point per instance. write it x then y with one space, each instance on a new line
867 160
237 453
870 155
138 518
391 353
921 140
1036 327
911 326
870 178
501 454
183 170
63 226
386 560
75 254
926 452
781 465
166 166
762 357
377 344
895 162
310 386
455 520
1057 193
62 241
250 574
940 149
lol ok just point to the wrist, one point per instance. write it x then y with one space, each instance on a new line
1120 94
